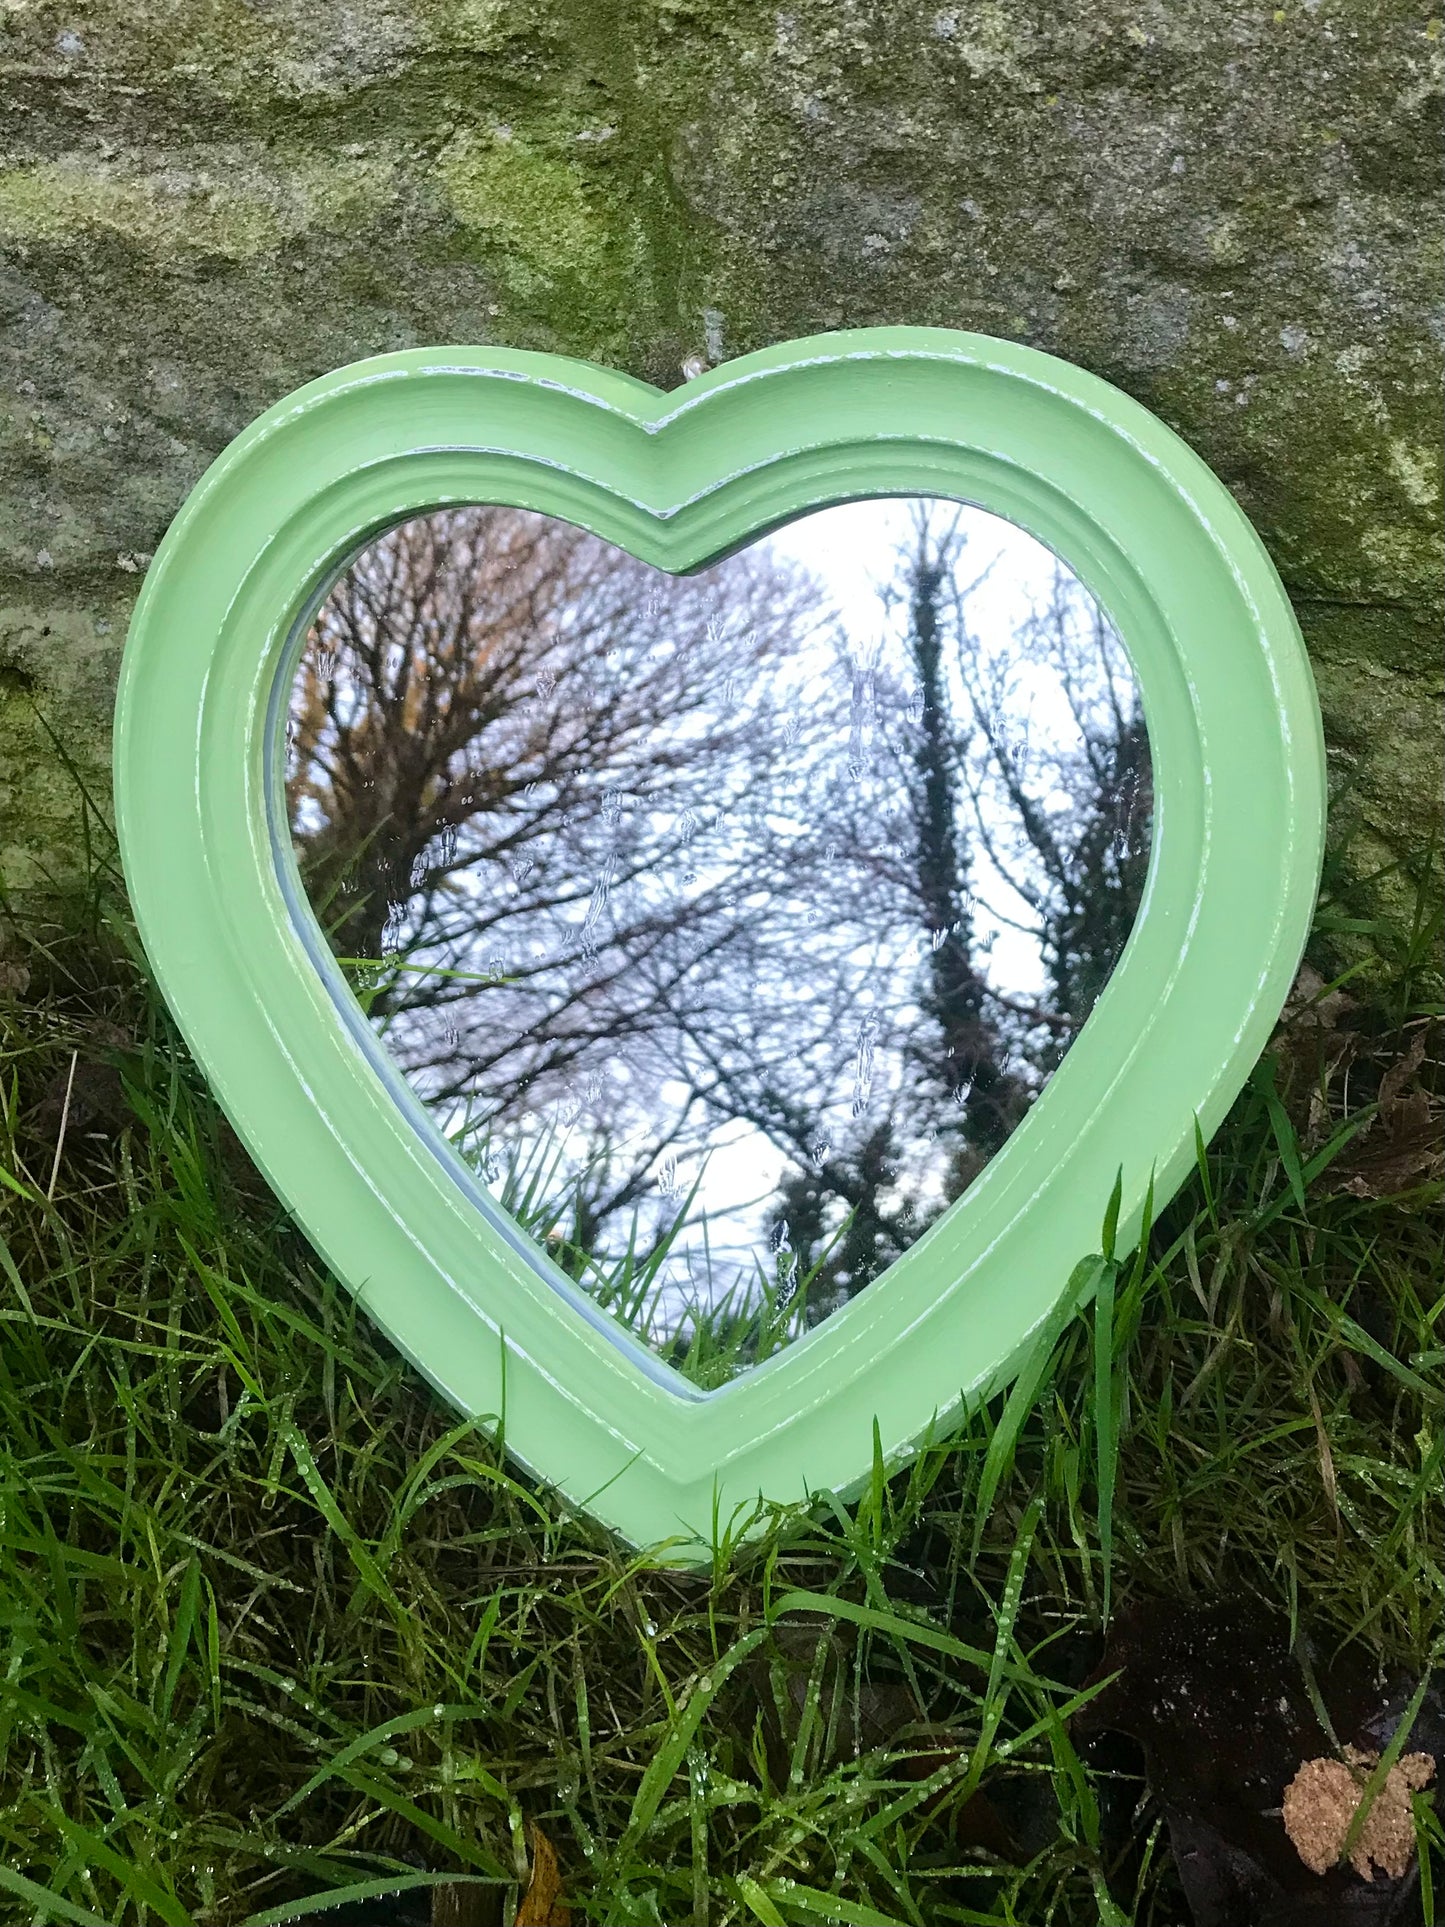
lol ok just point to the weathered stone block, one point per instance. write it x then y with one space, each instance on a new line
1227 209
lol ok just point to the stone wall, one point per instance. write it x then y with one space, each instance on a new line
1229 210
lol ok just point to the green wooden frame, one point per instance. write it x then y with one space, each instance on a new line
680 479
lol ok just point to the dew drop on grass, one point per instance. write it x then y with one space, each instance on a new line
438 1710
388 1756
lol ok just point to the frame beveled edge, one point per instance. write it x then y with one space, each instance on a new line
628 399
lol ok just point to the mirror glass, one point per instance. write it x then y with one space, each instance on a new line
727 925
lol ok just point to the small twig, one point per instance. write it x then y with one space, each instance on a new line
1033 1012
60 1134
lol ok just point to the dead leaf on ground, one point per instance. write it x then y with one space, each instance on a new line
1220 1706
544 1904
1314 1042
1320 1041
1404 1147
88 1100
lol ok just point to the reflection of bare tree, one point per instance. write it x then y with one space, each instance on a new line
1060 816
656 864
1068 826
520 755
479 678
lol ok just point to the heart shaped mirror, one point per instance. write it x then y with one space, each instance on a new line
727 925
676 891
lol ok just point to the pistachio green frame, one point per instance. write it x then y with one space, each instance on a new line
680 479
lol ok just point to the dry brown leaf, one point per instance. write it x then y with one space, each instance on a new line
1320 1803
1402 1073
1403 1148
544 1904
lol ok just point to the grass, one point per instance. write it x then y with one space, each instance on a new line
274 1626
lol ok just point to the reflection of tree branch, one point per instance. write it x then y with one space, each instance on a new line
1035 1013
1089 860
508 745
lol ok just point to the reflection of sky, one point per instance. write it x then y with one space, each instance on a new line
851 551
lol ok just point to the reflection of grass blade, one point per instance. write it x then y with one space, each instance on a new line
374 978
398 966
712 1320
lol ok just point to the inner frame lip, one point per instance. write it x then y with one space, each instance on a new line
307 927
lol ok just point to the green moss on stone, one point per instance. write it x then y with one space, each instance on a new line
547 237
61 203
1225 213
188 212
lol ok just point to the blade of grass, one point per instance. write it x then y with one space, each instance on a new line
669 1757
369 1572
756 1900
365 1890
50 1906
1106 1443
1028 1387
1380 1772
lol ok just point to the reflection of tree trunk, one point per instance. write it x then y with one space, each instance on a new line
968 1054
1085 933
1082 870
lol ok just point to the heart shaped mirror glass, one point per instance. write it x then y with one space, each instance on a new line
726 925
